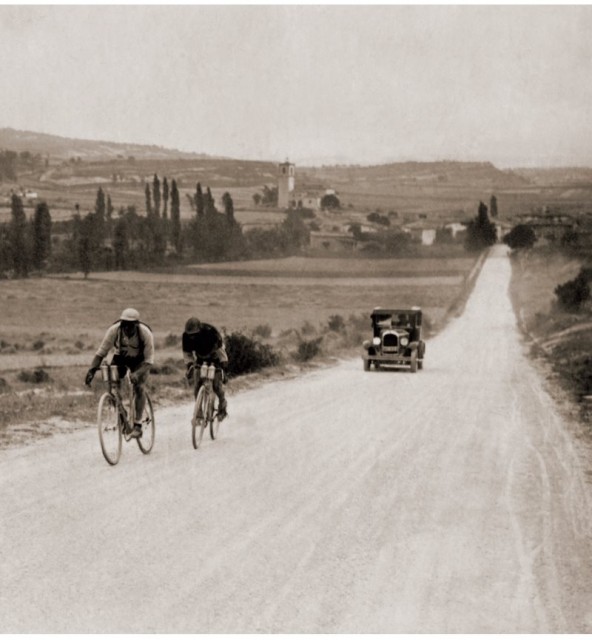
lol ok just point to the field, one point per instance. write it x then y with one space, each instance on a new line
55 324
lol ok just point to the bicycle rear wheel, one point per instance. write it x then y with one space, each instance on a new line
213 418
146 441
198 422
108 422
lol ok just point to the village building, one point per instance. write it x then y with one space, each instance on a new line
421 231
286 183
306 196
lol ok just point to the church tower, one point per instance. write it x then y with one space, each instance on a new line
285 184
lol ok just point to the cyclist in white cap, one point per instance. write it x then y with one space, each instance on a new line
133 348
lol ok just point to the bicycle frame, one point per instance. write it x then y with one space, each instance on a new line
123 414
205 409
110 374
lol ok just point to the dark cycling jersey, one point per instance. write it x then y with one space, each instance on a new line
203 344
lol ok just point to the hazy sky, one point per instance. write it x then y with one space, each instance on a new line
349 83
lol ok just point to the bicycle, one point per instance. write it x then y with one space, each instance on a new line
205 410
115 421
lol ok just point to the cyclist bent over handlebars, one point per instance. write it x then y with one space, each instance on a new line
202 342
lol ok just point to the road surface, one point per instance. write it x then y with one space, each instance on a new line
451 500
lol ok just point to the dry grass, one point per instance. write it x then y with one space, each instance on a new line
57 324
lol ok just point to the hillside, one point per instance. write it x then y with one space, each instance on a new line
73 169
60 148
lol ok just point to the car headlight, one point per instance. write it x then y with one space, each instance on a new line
376 341
404 341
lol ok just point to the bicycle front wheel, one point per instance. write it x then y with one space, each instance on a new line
213 418
198 422
108 422
146 441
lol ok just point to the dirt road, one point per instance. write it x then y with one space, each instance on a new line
452 500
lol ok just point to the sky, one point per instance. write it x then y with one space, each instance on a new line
353 84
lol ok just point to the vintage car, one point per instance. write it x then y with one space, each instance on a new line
396 339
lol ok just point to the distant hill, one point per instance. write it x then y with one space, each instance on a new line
439 190
60 148
558 176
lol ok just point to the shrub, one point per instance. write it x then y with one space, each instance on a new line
38 376
336 323
4 386
572 294
38 345
171 340
522 236
262 330
308 349
246 355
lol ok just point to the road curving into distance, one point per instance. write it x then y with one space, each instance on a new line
451 500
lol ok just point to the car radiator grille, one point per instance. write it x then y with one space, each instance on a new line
390 342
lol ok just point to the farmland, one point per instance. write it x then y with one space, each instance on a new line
55 323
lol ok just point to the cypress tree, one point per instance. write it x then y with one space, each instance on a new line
41 235
149 210
176 218
156 195
199 201
165 197
18 237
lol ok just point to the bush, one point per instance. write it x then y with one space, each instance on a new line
522 236
246 355
38 376
308 349
4 386
262 330
572 294
38 345
336 323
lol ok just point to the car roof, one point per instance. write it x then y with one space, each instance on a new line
379 311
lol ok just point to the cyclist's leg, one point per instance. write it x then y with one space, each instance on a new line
219 391
139 390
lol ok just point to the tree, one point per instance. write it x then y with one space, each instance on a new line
120 242
41 235
110 209
571 295
522 236
209 203
199 201
493 206
149 210
176 218
330 201
156 195
257 199
481 232
228 207
85 249
100 211
18 237
165 197
270 196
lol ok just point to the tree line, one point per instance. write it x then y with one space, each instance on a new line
110 239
